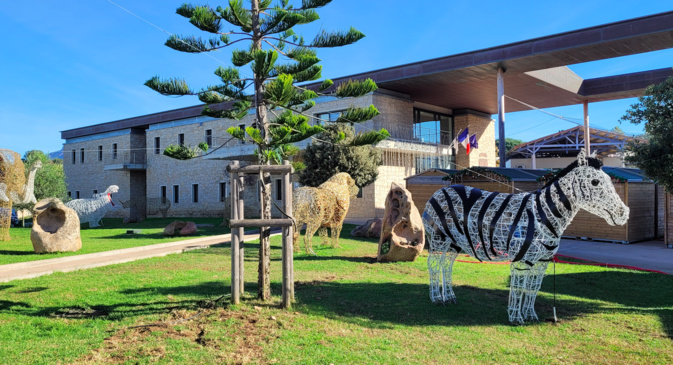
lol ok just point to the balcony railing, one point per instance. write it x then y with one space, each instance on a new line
409 132
128 160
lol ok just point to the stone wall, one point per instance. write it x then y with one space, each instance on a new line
89 176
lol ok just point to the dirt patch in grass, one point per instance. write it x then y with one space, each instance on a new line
231 336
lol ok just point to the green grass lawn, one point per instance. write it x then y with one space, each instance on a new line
111 236
348 310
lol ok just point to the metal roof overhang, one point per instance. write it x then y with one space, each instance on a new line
568 143
535 69
535 73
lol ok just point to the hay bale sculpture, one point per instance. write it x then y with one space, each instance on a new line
402 233
323 207
522 228
13 187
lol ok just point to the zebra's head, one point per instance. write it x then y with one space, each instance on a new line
595 192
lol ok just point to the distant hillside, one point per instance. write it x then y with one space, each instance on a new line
57 154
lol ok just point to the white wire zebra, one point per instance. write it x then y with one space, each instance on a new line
522 228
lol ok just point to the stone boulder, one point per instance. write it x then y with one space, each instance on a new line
189 229
180 227
55 228
402 232
371 229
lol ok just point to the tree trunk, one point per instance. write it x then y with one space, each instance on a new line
263 283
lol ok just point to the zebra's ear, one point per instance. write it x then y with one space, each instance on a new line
582 157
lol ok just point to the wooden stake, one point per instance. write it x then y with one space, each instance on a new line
235 266
241 253
288 267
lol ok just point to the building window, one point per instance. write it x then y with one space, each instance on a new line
95 191
181 139
157 145
74 157
279 189
327 117
176 194
209 137
360 195
81 155
114 151
100 153
76 194
164 195
195 193
70 194
223 191
432 127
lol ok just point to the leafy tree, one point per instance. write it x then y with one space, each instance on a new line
331 152
49 179
654 157
617 130
509 143
268 31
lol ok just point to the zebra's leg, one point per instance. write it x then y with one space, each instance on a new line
441 289
532 287
519 276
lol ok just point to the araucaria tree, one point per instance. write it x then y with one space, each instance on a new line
654 157
265 31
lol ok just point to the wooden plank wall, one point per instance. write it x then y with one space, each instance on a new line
642 216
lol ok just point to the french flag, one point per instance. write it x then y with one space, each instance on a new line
464 139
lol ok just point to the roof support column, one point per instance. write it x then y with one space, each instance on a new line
587 133
501 118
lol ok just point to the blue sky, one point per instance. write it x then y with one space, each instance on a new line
67 64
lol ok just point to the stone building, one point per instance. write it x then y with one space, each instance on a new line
423 105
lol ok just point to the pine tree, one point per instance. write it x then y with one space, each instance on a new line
268 31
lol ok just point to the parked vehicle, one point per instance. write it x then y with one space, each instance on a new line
14 220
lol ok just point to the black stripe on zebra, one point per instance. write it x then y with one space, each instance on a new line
551 204
442 219
468 203
543 215
517 217
452 211
435 227
530 232
494 221
562 196
480 220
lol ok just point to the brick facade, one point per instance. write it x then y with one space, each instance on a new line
140 146
481 124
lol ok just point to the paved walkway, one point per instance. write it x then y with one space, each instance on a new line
31 269
652 255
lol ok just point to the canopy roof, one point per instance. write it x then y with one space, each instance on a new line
569 142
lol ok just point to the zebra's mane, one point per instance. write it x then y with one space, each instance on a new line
591 161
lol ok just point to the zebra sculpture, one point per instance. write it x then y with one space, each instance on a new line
522 228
